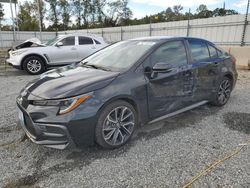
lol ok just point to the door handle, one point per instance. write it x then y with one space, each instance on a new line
73 48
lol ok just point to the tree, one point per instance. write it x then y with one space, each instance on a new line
177 11
54 13
1 15
126 13
117 12
27 16
78 9
224 12
42 10
169 14
100 6
65 8
100 13
203 12
88 9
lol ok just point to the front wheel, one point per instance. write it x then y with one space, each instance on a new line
116 125
34 65
223 92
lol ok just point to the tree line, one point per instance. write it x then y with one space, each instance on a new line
82 14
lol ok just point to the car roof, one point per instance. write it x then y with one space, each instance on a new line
82 35
164 38
78 34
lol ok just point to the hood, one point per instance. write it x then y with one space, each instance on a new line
33 42
69 81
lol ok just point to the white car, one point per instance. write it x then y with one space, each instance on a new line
35 58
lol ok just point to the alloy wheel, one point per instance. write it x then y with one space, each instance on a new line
224 91
118 126
34 66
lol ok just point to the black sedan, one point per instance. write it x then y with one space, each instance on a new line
103 98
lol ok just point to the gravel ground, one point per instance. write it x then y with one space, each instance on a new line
166 154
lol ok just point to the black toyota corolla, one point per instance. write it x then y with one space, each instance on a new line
103 98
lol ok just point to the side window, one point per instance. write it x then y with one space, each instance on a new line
68 41
173 53
220 53
199 50
85 40
212 51
97 42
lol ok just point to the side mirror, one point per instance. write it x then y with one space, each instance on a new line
59 44
162 67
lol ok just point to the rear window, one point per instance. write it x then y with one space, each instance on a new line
199 50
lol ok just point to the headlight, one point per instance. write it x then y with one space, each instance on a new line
65 105
18 52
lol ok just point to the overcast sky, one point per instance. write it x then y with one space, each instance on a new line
141 8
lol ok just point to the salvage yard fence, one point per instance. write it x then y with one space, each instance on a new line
226 30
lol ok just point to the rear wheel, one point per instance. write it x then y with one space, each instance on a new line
223 92
116 125
34 65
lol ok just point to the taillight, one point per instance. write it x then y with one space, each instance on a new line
233 59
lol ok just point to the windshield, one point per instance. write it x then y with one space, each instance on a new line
118 57
52 41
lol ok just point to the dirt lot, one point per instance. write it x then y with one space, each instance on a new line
166 154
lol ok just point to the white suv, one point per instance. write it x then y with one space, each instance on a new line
35 57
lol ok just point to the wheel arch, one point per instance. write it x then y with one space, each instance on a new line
33 54
125 98
230 77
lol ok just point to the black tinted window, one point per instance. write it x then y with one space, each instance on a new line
212 51
85 40
199 50
173 53
97 42
68 41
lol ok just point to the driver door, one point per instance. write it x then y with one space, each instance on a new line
166 89
65 53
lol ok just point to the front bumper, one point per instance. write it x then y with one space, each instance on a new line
49 135
13 61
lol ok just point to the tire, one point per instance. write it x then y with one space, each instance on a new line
34 65
223 92
112 132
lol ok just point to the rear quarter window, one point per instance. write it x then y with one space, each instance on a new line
96 41
212 51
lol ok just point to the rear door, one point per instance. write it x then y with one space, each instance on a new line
205 64
166 90
85 47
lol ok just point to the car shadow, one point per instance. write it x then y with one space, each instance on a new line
13 72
